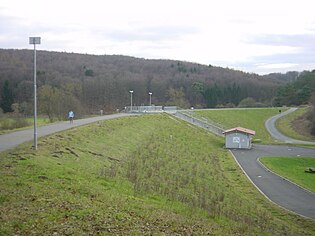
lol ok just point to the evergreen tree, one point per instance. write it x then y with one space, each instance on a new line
303 94
7 98
236 90
298 92
211 97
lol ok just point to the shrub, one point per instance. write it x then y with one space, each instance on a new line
13 123
247 102
311 114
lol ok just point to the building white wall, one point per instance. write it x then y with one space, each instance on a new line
237 140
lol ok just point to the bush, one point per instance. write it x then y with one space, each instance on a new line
13 123
260 104
311 114
247 102
20 123
250 102
311 118
227 105
313 129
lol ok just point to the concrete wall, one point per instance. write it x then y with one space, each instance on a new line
237 140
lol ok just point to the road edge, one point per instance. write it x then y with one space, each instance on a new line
284 178
292 212
278 136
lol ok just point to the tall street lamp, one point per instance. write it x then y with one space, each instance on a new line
35 40
131 92
150 97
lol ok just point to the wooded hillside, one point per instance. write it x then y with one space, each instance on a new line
299 92
89 83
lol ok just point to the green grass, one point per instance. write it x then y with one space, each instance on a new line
11 124
39 120
7 123
248 118
144 175
284 124
293 168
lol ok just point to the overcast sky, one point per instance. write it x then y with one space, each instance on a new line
259 36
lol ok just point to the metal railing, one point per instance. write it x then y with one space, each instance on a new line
143 109
200 122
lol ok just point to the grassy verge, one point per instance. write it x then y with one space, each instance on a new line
293 168
284 124
11 124
248 118
146 175
7 124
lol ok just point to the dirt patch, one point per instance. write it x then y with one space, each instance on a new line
101 155
302 126
72 152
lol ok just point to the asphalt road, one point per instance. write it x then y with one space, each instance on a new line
278 190
274 187
270 125
11 140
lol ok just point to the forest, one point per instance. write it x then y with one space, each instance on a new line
299 92
90 83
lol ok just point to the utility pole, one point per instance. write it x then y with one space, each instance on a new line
35 40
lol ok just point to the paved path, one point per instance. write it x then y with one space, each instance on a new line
277 189
11 140
274 187
270 125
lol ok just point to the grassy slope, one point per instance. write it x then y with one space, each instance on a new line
284 124
139 175
248 118
293 169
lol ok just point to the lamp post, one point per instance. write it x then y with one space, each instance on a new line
131 92
150 97
35 40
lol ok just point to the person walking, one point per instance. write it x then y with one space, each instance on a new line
71 116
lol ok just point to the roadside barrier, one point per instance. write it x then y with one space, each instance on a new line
200 122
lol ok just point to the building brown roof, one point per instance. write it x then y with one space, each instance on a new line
240 129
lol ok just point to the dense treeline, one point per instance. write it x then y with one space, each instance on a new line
311 114
299 92
88 83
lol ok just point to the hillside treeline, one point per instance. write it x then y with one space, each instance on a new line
89 83
299 92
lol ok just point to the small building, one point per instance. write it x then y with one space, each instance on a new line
238 138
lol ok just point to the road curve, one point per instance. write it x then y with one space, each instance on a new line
280 191
11 140
270 125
